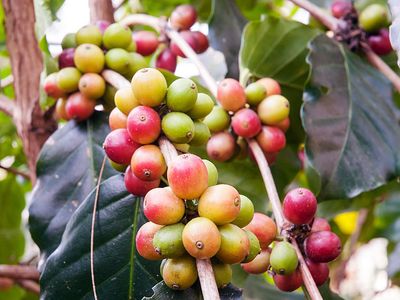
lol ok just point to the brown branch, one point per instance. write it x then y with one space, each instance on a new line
16 172
101 10
19 272
29 285
7 105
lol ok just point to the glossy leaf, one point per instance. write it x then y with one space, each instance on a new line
67 171
120 272
352 133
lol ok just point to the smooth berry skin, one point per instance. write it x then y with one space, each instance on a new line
189 38
51 87
61 112
148 163
166 60
259 265
380 43
202 42
231 94
288 283
119 146
138 187
221 146
144 124
283 258
117 119
322 246
146 42
235 244
299 206
271 139
66 58
319 271
245 123
284 124
264 228
183 17
144 241
271 85
79 107
340 8
320 224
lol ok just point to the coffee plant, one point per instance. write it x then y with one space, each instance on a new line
122 177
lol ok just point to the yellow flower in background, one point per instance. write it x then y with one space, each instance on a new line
347 221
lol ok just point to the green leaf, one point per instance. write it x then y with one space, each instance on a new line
327 294
67 171
277 48
225 31
120 272
352 134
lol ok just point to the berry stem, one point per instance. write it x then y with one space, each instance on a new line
115 79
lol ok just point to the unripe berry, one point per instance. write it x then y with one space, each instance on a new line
183 17
189 38
61 111
92 85
380 43
178 127
260 264
271 139
161 206
89 58
145 78
181 95
212 172
201 238
125 100
245 123
89 34
118 60
235 245
117 119
51 87
201 134
144 125
119 146
222 274
340 8
166 60
319 271
136 62
118 167
66 58
231 94
299 206
320 224
283 258
136 186
254 248
202 41
221 146
187 176
146 42
217 120
79 107
202 107
322 246
144 241
168 241
219 203
273 109
288 283
272 86
255 93
68 41
68 79
117 36
264 228
373 17
246 212
180 273
148 163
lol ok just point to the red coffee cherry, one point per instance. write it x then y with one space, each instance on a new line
79 107
148 163
299 206
380 43
144 124
319 271
322 246
119 146
202 41
138 187
166 60
183 17
66 58
51 87
231 94
340 8
284 125
146 42
260 264
288 283
271 139
264 228
189 38
246 123
221 146
271 85
144 241
320 224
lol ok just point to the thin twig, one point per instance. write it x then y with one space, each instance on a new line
6 81
115 79
29 285
96 200
16 172
7 105
19 272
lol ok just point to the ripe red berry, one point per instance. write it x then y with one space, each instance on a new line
221 146
119 146
51 87
144 124
166 60
231 94
271 85
271 139
183 17
189 38
319 271
246 123
66 58
136 186
288 283
322 246
299 206
202 41
264 228
260 264
79 107
148 163
146 42
340 8
320 224
380 43
144 241
283 125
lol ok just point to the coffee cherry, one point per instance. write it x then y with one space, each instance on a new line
125 100
320 224
141 83
51 87
217 120
380 43
89 34
340 8
273 109
201 238
178 127
168 241
181 95
119 146
89 58
117 36
235 245
272 86
284 124
319 271
118 60
202 107
146 42
166 60
144 241
136 62
148 163
259 265
180 273
68 41
283 258
161 206
373 17
118 167
144 125
264 228
299 206
231 94
189 38
108 97
246 212
254 248
92 85
212 172
245 123
183 17
201 134
136 186
219 203
271 139
66 58
68 79
79 107
322 246
255 93
201 41
288 283
221 146
61 111
222 274
102 25
6 283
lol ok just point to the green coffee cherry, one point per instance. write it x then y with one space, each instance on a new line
374 17
117 36
255 247
181 95
68 41
178 127
180 273
136 62
255 93
222 274
68 79
168 241
217 120
203 106
117 59
89 34
246 212
283 259
201 134
212 172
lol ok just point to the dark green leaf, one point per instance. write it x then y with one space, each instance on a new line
327 294
120 272
277 48
225 31
53 6
352 134
67 171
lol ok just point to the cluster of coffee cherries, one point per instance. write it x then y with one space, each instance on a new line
145 110
374 19
78 85
196 218
257 111
182 19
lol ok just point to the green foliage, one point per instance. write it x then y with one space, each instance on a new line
165 7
